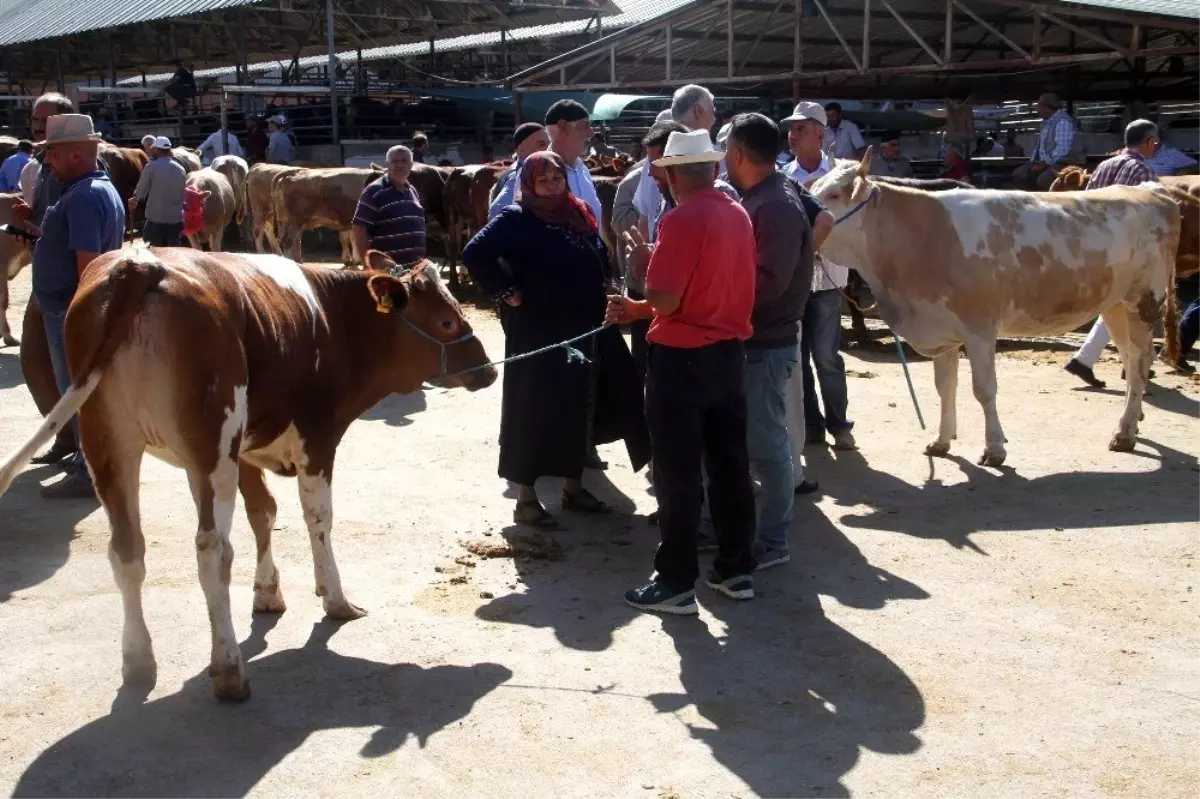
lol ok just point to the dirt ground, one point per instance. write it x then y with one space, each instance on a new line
942 629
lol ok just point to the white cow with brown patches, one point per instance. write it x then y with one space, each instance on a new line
292 355
958 268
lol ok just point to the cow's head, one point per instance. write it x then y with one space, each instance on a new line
431 339
842 190
1071 178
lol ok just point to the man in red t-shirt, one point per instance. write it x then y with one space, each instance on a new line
699 294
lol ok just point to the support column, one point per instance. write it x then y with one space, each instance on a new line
333 98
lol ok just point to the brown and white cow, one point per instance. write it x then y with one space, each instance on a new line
958 268
293 355
312 198
466 207
260 205
14 256
220 207
235 169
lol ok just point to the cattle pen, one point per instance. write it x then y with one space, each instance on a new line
943 628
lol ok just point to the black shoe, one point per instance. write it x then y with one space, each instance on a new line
56 453
739 587
658 598
807 487
1085 373
814 435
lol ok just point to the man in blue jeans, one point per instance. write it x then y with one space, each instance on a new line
783 275
87 219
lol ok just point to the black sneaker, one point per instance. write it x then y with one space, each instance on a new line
1084 373
658 598
806 487
740 587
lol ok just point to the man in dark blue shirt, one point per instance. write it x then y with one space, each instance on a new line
389 216
87 219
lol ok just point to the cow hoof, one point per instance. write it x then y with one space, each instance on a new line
229 684
11 341
938 449
993 459
139 672
344 612
269 602
1121 444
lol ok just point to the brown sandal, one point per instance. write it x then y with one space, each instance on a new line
532 513
583 501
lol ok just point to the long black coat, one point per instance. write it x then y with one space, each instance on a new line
562 278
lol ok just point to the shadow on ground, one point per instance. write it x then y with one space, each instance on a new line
10 368
36 533
1006 501
395 409
188 744
788 698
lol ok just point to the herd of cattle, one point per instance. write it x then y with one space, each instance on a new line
297 353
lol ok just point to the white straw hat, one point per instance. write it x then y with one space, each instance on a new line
68 129
693 147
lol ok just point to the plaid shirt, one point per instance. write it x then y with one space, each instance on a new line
1127 169
1064 137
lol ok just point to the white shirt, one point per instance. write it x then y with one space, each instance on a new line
580 181
214 147
832 276
648 199
845 142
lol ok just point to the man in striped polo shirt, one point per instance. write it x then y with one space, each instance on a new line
389 216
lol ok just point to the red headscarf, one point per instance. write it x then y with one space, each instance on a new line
566 210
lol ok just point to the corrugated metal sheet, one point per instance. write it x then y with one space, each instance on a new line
31 20
632 11
1189 9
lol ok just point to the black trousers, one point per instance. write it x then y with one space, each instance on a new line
696 411
638 345
159 234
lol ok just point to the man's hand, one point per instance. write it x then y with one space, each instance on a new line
133 204
621 310
515 299
637 252
21 213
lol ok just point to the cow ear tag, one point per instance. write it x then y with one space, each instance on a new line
385 304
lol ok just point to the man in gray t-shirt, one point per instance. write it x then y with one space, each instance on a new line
161 191
279 147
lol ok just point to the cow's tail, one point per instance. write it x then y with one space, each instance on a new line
129 279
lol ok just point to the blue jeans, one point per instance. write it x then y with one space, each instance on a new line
767 374
1189 328
819 342
55 324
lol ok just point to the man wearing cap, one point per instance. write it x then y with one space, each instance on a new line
1057 145
389 216
570 129
279 146
699 296
695 108
161 190
842 139
529 138
890 162
86 220
821 329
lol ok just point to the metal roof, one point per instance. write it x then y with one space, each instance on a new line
32 20
1172 8
631 12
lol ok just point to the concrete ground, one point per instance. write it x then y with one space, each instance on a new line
943 629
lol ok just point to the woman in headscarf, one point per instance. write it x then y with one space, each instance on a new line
548 269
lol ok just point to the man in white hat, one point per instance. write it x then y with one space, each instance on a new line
161 190
821 327
280 145
699 296
86 220
1057 146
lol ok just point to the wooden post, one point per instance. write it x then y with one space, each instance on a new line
333 62
669 36
948 44
62 85
517 106
224 124
797 51
729 38
866 36
504 49
612 64
1037 35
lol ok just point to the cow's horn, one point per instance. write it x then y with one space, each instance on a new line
865 167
